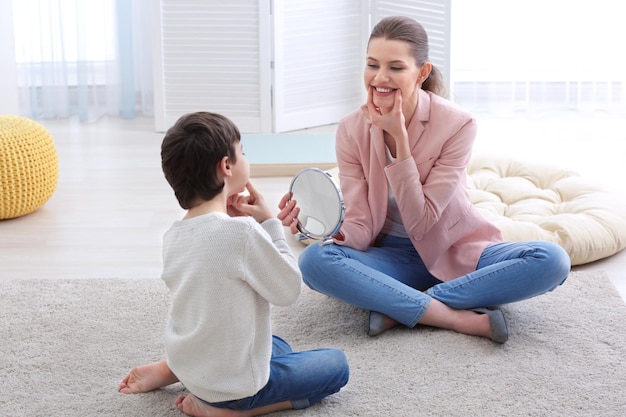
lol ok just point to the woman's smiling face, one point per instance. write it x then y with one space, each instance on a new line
390 66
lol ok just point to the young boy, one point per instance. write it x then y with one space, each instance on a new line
224 263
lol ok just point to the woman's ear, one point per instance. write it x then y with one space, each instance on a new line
425 71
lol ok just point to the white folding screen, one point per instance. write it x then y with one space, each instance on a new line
275 66
318 61
214 56
8 82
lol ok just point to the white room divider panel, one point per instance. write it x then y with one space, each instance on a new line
318 61
275 66
213 56
8 81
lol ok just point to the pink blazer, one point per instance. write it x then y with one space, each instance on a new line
445 228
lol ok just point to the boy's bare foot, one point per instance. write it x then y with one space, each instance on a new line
147 378
192 406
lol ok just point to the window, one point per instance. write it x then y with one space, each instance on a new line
536 56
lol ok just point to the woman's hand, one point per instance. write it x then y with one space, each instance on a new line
393 122
288 214
252 204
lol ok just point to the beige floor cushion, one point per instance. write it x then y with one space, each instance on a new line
529 201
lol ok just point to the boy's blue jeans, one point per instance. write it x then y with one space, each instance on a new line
391 278
304 378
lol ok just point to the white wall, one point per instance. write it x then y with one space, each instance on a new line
8 80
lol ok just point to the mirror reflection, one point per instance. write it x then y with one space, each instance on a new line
320 201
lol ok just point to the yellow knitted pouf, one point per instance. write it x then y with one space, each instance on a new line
29 167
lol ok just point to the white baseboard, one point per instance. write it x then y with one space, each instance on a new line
285 170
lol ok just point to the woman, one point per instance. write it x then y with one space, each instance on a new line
413 249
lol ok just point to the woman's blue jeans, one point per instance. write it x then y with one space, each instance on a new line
304 378
391 278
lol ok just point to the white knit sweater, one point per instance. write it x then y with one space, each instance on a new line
223 273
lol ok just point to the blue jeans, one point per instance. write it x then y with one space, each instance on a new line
304 378
391 278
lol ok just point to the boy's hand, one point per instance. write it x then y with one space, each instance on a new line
233 203
249 205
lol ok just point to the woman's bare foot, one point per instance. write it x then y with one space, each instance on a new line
378 323
473 323
192 406
461 321
147 378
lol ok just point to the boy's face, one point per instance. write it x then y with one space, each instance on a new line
240 170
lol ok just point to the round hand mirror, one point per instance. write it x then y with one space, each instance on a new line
320 201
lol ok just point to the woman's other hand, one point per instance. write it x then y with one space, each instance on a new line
288 213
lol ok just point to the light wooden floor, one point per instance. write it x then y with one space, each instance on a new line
112 204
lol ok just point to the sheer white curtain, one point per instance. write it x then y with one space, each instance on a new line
538 56
83 57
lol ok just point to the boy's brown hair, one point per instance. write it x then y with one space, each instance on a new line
191 151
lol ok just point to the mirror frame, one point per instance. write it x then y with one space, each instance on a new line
341 209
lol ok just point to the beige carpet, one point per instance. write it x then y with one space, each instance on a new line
64 346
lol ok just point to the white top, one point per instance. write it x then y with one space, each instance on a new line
223 272
393 222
